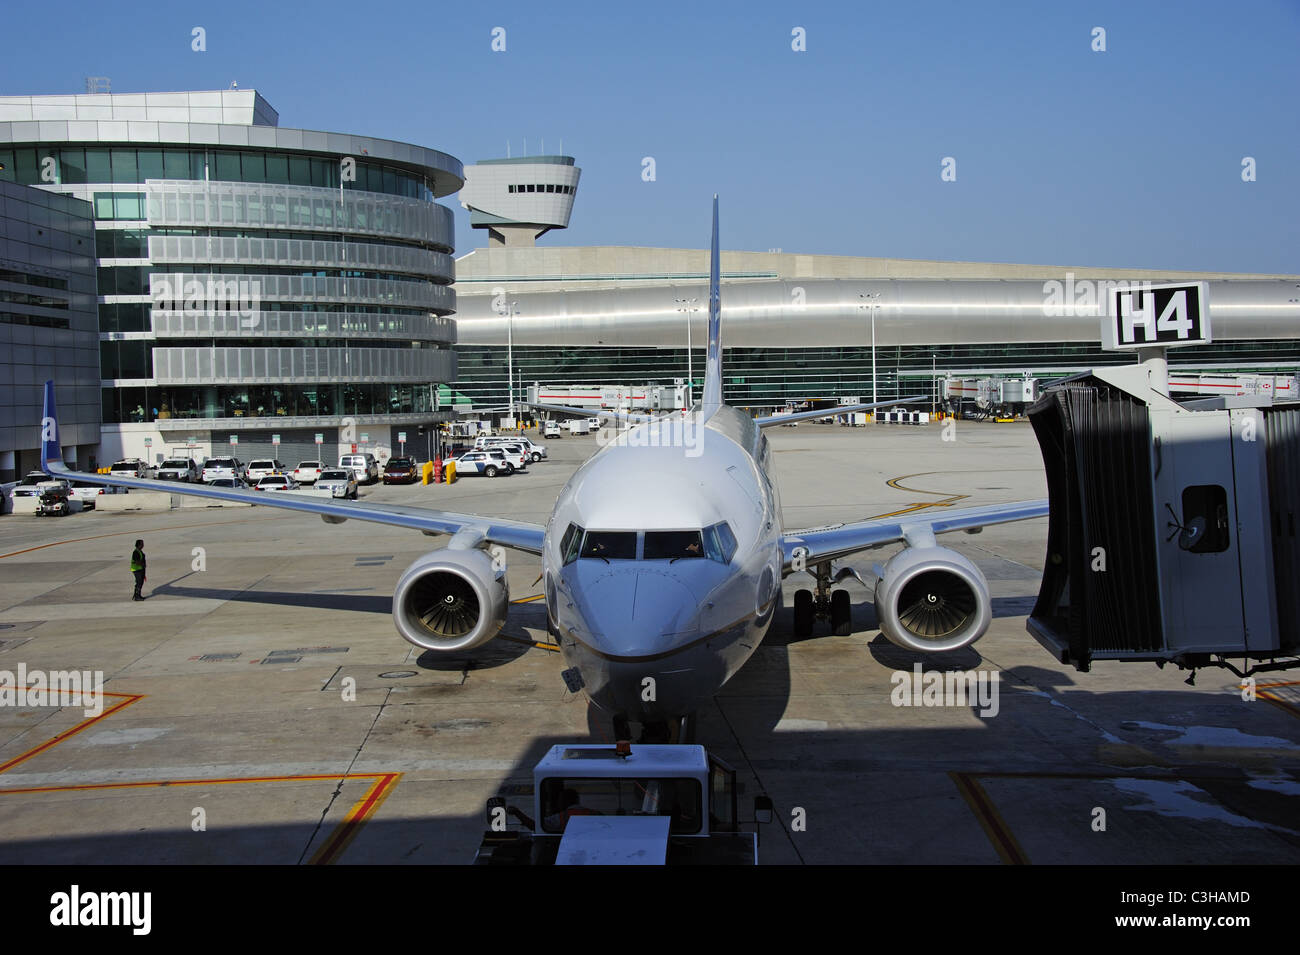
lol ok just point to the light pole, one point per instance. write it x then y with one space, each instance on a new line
687 305
510 358
872 306
934 382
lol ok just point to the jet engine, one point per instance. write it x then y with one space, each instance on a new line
932 599
451 600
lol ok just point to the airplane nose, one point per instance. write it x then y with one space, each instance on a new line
647 611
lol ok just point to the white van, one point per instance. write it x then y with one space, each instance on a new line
364 466
551 429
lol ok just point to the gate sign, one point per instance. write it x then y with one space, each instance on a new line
148 442
275 439
401 437
365 438
1156 316
234 440
320 438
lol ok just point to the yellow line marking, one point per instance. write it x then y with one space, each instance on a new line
350 827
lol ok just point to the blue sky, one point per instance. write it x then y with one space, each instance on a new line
1131 157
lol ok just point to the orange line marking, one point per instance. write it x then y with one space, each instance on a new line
994 826
351 825
84 724
335 844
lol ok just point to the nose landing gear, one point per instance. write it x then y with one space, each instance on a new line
823 604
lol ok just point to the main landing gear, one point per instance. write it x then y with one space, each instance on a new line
823 604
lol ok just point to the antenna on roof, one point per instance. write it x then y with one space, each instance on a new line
98 84
234 85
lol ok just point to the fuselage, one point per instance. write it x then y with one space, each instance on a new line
662 562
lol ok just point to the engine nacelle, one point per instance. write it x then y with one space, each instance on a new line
932 599
451 600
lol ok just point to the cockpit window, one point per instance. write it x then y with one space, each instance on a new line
610 545
668 545
570 543
720 543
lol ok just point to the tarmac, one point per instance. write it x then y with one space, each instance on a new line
261 708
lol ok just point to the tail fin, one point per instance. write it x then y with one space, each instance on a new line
713 365
50 449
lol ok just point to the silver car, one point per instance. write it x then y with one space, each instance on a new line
339 482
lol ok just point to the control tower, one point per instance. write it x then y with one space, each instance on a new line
520 200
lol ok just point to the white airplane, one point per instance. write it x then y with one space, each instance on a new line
662 559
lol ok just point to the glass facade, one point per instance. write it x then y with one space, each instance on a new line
79 165
350 288
778 375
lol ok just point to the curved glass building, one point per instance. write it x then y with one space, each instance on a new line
257 284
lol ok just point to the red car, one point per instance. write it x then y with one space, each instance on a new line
401 471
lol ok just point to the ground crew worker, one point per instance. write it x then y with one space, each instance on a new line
137 568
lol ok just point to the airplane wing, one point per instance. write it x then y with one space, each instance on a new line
772 421
830 543
593 412
518 535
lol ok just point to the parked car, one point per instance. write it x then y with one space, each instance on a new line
129 467
535 451
516 457
551 429
486 461
214 468
54 500
364 466
401 471
33 478
238 484
261 468
86 493
277 482
178 469
308 471
339 482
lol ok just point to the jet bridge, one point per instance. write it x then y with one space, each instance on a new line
1172 532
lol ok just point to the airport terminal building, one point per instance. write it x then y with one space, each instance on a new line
256 284
802 326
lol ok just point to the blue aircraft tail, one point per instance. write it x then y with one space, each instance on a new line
50 449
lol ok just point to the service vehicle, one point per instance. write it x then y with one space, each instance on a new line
178 469
486 461
337 482
551 429
54 500
308 471
214 468
276 482
364 466
578 426
648 804
129 467
261 468
33 478
401 471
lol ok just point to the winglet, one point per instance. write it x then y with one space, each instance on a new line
50 449
713 365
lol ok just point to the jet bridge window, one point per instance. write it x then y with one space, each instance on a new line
671 545
610 545
570 544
